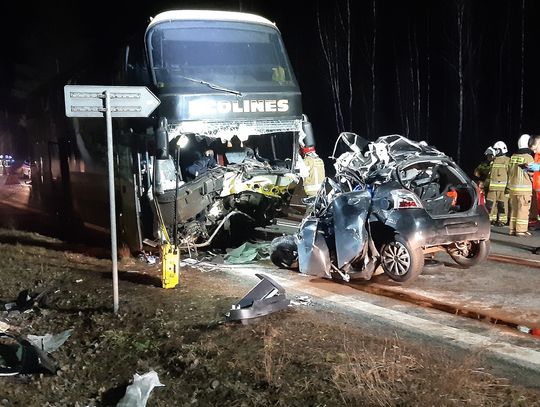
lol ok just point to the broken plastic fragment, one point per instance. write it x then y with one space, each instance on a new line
48 342
137 394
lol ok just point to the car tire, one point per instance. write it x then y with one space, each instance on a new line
400 261
477 253
284 252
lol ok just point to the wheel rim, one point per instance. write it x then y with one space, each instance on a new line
396 258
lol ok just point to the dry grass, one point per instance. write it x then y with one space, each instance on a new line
395 376
370 377
275 358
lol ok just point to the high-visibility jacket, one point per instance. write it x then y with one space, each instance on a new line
519 180
536 176
498 176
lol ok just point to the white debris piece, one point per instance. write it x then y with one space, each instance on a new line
4 327
137 394
302 300
48 342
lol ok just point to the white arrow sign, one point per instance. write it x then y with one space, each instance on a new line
126 101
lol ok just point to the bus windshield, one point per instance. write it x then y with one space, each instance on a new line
234 55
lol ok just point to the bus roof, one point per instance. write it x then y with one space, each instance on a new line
212 15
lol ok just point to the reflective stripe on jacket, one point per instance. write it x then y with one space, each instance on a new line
519 180
498 176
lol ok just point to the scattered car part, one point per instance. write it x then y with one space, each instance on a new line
26 300
49 342
19 356
263 299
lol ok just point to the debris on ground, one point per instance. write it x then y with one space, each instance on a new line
25 301
302 300
199 264
20 356
247 253
137 394
49 342
263 299
147 258
4 327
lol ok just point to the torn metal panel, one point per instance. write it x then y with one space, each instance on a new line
313 253
263 299
351 211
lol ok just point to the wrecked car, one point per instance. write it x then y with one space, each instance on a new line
390 203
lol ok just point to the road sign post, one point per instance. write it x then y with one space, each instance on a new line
109 102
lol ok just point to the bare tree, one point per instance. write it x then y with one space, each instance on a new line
403 115
522 65
373 81
460 15
428 70
330 37
349 64
330 50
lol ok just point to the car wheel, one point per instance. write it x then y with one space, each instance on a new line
469 253
284 252
400 261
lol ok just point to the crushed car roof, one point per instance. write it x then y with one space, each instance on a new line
380 157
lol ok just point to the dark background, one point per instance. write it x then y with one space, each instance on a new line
400 58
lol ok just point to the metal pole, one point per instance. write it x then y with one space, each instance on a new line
112 205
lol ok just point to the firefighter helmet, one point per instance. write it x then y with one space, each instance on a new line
523 141
501 146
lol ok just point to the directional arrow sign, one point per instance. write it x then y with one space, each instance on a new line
125 101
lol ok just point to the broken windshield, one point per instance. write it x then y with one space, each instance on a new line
233 55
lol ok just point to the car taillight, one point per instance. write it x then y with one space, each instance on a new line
481 196
404 199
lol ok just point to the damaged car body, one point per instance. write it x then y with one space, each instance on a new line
391 202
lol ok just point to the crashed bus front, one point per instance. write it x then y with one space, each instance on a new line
227 92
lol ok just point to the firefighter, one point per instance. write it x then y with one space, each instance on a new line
520 187
481 172
497 200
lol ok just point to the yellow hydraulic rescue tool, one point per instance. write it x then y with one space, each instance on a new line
170 255
170 262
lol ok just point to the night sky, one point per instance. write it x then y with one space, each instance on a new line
403 59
